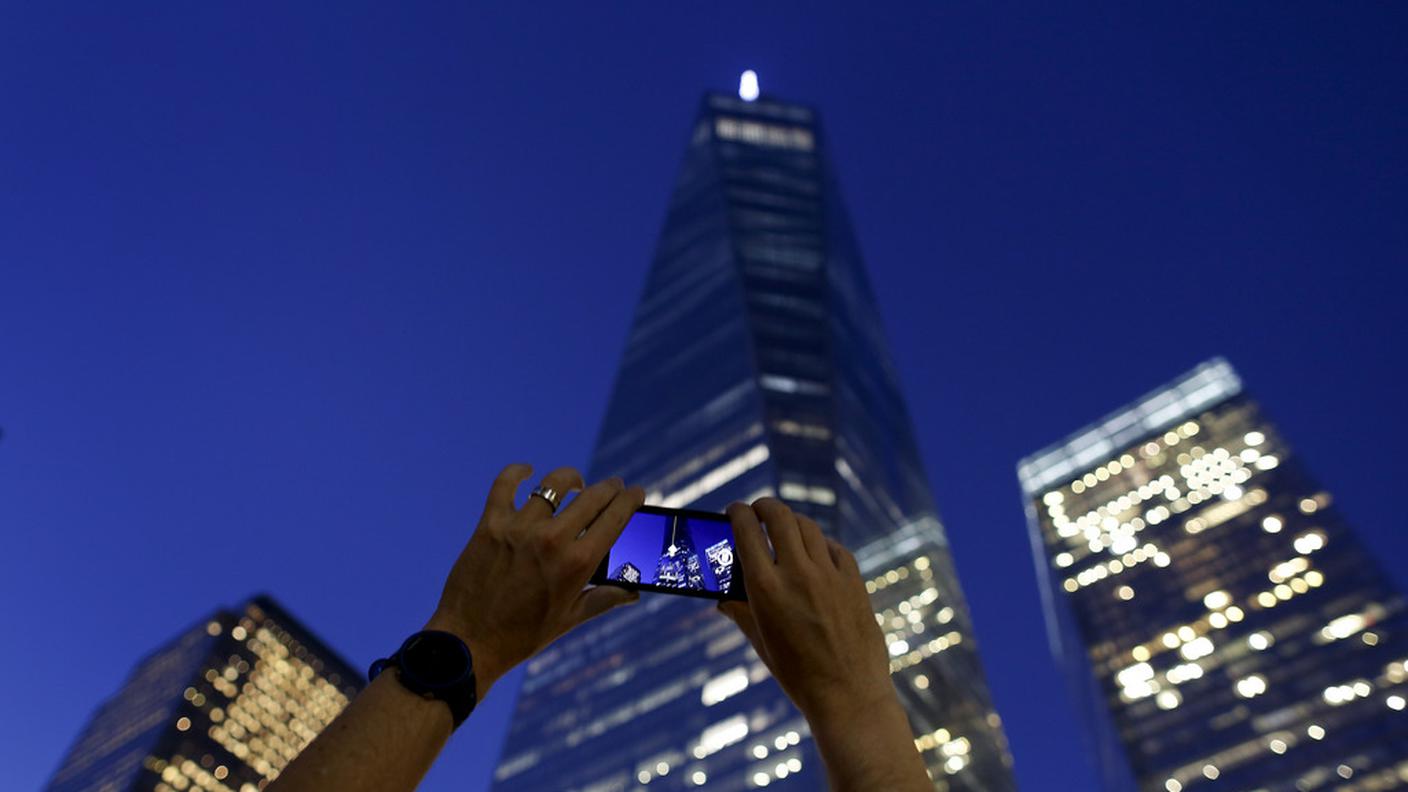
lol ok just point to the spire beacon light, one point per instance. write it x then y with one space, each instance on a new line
748 86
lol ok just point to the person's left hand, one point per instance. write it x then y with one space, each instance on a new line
518 585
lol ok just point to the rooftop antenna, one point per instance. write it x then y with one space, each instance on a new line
748 86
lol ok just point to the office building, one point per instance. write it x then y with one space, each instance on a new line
223 707
756 365
1219 620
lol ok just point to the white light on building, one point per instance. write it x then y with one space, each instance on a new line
748 86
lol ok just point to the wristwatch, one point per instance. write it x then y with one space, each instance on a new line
434 665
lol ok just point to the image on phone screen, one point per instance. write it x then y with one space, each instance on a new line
677 551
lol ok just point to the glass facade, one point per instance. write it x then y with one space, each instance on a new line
222 708
1222 624
756 365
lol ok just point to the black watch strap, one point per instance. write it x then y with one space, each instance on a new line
436 674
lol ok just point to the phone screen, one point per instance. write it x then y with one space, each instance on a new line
677 551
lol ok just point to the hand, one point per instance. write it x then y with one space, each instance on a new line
518 585
808 615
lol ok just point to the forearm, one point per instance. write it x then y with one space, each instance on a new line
868 746
384 741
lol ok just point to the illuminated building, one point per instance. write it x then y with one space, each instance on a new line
720 555
627 572
679 565
222 708
756 365
1222 625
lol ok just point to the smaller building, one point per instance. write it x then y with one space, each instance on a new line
223 707
720 555
627 572
1222 623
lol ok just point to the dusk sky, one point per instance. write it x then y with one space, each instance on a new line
283 287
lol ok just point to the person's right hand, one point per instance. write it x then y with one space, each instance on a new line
808 615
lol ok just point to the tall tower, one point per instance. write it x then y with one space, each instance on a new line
223 707
1222 625
756 364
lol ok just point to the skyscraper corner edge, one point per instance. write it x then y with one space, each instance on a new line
1212 381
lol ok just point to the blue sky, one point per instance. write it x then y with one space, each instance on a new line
282 288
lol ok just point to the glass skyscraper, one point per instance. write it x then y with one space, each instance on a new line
1221 623
222 708
756 365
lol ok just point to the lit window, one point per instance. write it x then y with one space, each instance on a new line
715 478
1344 626
1309 542
723 686
723 734
1196 648
760 134
1252 686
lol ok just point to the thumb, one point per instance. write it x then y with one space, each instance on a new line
599 599
731 609
740 614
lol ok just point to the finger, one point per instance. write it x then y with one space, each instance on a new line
597 600
843 559
740 614
753 553
561 481
814 541
505 487
782 530
606 528
586 506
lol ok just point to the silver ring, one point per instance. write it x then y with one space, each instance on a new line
548 494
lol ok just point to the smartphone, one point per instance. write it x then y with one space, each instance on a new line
675 551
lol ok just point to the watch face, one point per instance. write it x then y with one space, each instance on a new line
435 659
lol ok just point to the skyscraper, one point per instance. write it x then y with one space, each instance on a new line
756 364
223 707
1221 623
